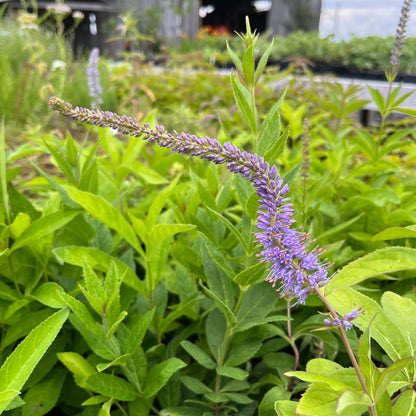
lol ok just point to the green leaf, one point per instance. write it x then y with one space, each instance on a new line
263 61
160 232
177 311
251 276
232 372
286 408
100 209
15 403
42 397
394 233
94 400
198 354
44 226
7 292
236 60
145 172
257 302
274 394
389 374
248 65
270 137
181 411
63 164
220 304
77 365
115 325
318 400
215 328
22 361
243 352
232 228
71 150
378 99
58 188
138 331
364 359
217 256
158 204
410 111
120 360
276 150
159 375
111 386
8 395
50 295
251 323
105 408
333 383
244 103
382 261
99 260
237 397
20 223
19 203
383 329
339 227
356 402
402 311
82 312
195 385
235 385
405 404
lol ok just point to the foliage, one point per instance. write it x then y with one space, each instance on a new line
364 54
152 256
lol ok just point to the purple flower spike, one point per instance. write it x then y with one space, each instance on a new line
93 76
294 266
400 36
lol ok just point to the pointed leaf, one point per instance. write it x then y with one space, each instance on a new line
378 99
42 397
44 226
198 354
23 360
382 261
138 331
111 386
394 233
270 129
101 261
159 375
243 100
100 209
232 372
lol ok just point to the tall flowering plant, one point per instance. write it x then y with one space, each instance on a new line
296 268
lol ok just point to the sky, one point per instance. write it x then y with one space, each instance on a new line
345 18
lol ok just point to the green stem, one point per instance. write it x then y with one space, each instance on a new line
348 348
292 344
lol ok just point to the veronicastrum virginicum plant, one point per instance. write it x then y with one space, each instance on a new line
295 268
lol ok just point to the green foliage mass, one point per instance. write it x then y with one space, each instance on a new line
129 281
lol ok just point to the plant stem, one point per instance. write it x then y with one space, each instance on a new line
293 345
348 348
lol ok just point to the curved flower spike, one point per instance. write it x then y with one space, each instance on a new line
294 265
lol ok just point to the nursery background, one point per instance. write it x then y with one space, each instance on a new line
205 210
